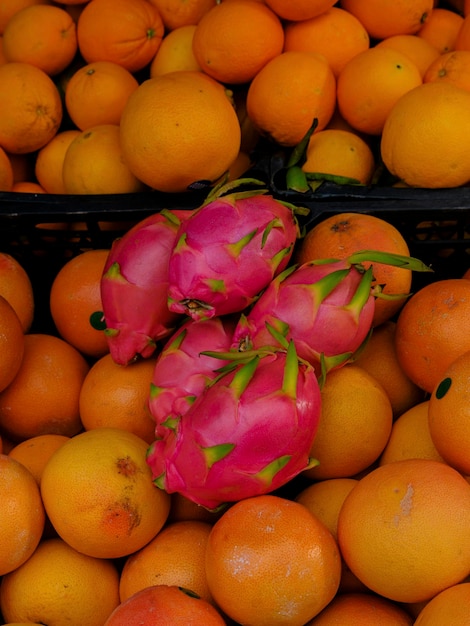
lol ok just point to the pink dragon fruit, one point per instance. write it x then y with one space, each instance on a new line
134 287
248 433
326 307
228 251
182 371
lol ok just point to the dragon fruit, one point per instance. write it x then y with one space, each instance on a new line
325 306
228 251
248 433
181 370
134 287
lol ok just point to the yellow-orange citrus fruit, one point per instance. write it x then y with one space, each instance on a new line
335 33
299 9
11 343
289 92
176 556
8 8
383 18
43 396
94 163
43 35
98 493
448 414
419 50
340 235
451 606
127 32
116 395
413 515
75 298
164 604
175 53
22 515
418 128
50 158
450 67
441 29
429 333
16 287
58 585
233 41
97 93
34 452
31 108
178 13
345 446
269 561
27 186
337 152
177 129
410 437
385 75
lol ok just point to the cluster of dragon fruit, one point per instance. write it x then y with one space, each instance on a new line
243 338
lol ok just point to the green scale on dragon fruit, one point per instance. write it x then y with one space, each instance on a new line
326 307
248 433
134 287
182 370
228 251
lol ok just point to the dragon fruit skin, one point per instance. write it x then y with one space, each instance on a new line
325 308
181 372
247 434
134 286
227 252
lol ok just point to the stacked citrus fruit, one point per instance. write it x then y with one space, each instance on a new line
119 97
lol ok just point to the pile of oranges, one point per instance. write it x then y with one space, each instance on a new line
376 533
120 96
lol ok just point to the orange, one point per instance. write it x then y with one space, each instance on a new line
325 498
8 8
34 452
448 414
416 48
108 506
288 93
6 171
115 395
175 53
233 41
337 152
299 9
428 121
178 13
176 556
127 32
441 29
22 515
11 343
97 93
16 287
463 37
270 561
451 606
410 437
451 67
31 108
384 75
43 397
430 331
339 236
355 424
43 35
94 163
49 161
336 34
379 358
402 17
164 604
60 586
75 299
413 515
177 129
27 186
362 609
